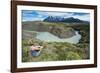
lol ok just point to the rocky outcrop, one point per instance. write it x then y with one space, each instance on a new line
61 32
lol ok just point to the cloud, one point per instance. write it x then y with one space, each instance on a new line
81 16
31 15
32 19
62 14
85 17
77 13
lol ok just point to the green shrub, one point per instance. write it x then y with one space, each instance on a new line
72 56
25 54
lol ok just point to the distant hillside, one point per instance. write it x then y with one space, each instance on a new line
58 30
67 20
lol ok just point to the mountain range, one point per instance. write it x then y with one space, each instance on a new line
61 19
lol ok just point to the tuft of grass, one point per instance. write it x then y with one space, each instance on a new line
25 54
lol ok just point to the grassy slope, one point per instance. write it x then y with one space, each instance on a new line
59 51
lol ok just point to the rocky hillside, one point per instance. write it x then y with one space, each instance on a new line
60 30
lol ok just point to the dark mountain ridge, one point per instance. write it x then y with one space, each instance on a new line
61 19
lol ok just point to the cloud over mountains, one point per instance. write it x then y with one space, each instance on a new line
31 15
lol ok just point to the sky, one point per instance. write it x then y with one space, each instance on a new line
32 15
